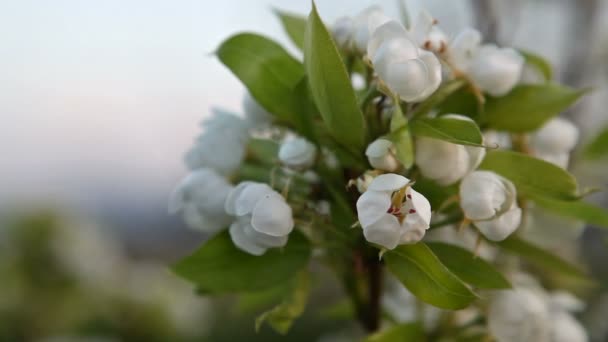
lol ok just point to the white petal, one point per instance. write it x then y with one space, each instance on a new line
409 78
411 235
297 152
518 315
557 135
566 301
255 114
433 68
384 232
439 160
372 205
501 227
378 148
388 182
484 194
464 47
476 155
342 31
496 71
243 242
422 26
565 328
176 200
250 196
264 240
387 31
230 204
418 210
272 215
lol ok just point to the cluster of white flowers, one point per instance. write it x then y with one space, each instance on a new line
555 141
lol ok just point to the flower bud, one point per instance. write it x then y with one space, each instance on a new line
392 213
381 155
365 180
200 197
297 153
263 218
555 141
364 25
489 200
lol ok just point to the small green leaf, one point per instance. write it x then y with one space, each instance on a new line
427 278
532 176
539 63
266 69
598 147
456 131
435 193
468 267
219 267
331 86
400 136
262 151
541 257
282 316
400 332
443 93
294 25
577 209
528 106
462 101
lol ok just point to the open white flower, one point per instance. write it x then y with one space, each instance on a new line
263 218
200 197
381 155
412 73
392 213
445 162
490 201
297 153
255 115
221 146
494 70
555 141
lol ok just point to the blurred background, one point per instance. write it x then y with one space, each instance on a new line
100 99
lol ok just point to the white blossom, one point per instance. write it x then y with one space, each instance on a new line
494 70
342 31
519 315
221 146
404 307
365 24
408 71
392 213
427 35
255 115
263 218
381 155
550 230
297 153
490 201
445 162
200 197
555 141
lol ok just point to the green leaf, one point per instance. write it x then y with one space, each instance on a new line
294 25
219 267
331 86
531 176
427 278
282 316
400 332
598 147
539 63
456 131
577 209
527 107
435 193
262 151
462 101
266 69
468 267
439 96
400 136
540 257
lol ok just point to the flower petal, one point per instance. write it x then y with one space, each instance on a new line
242 241
249 197
502 226
371 206
272 215
264 240
385 232
230 204
388 182
483 195
386 31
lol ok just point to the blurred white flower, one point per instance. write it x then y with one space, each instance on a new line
498 139
490 201
297 153
200 197
263 218
255 115
221 146
365 180
392 213
467 239
365 24
444 162
551 231
519 315
555 141
404 307
381 155
494 70
412 73
342 31
427 35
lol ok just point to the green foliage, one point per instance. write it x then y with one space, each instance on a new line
331 87
294 25
266 69
541 257
469 267
400 332
443 93
539 63
532 176
527 107
282 316
219 267
427 278
598 147
578 209
457 131
401 137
